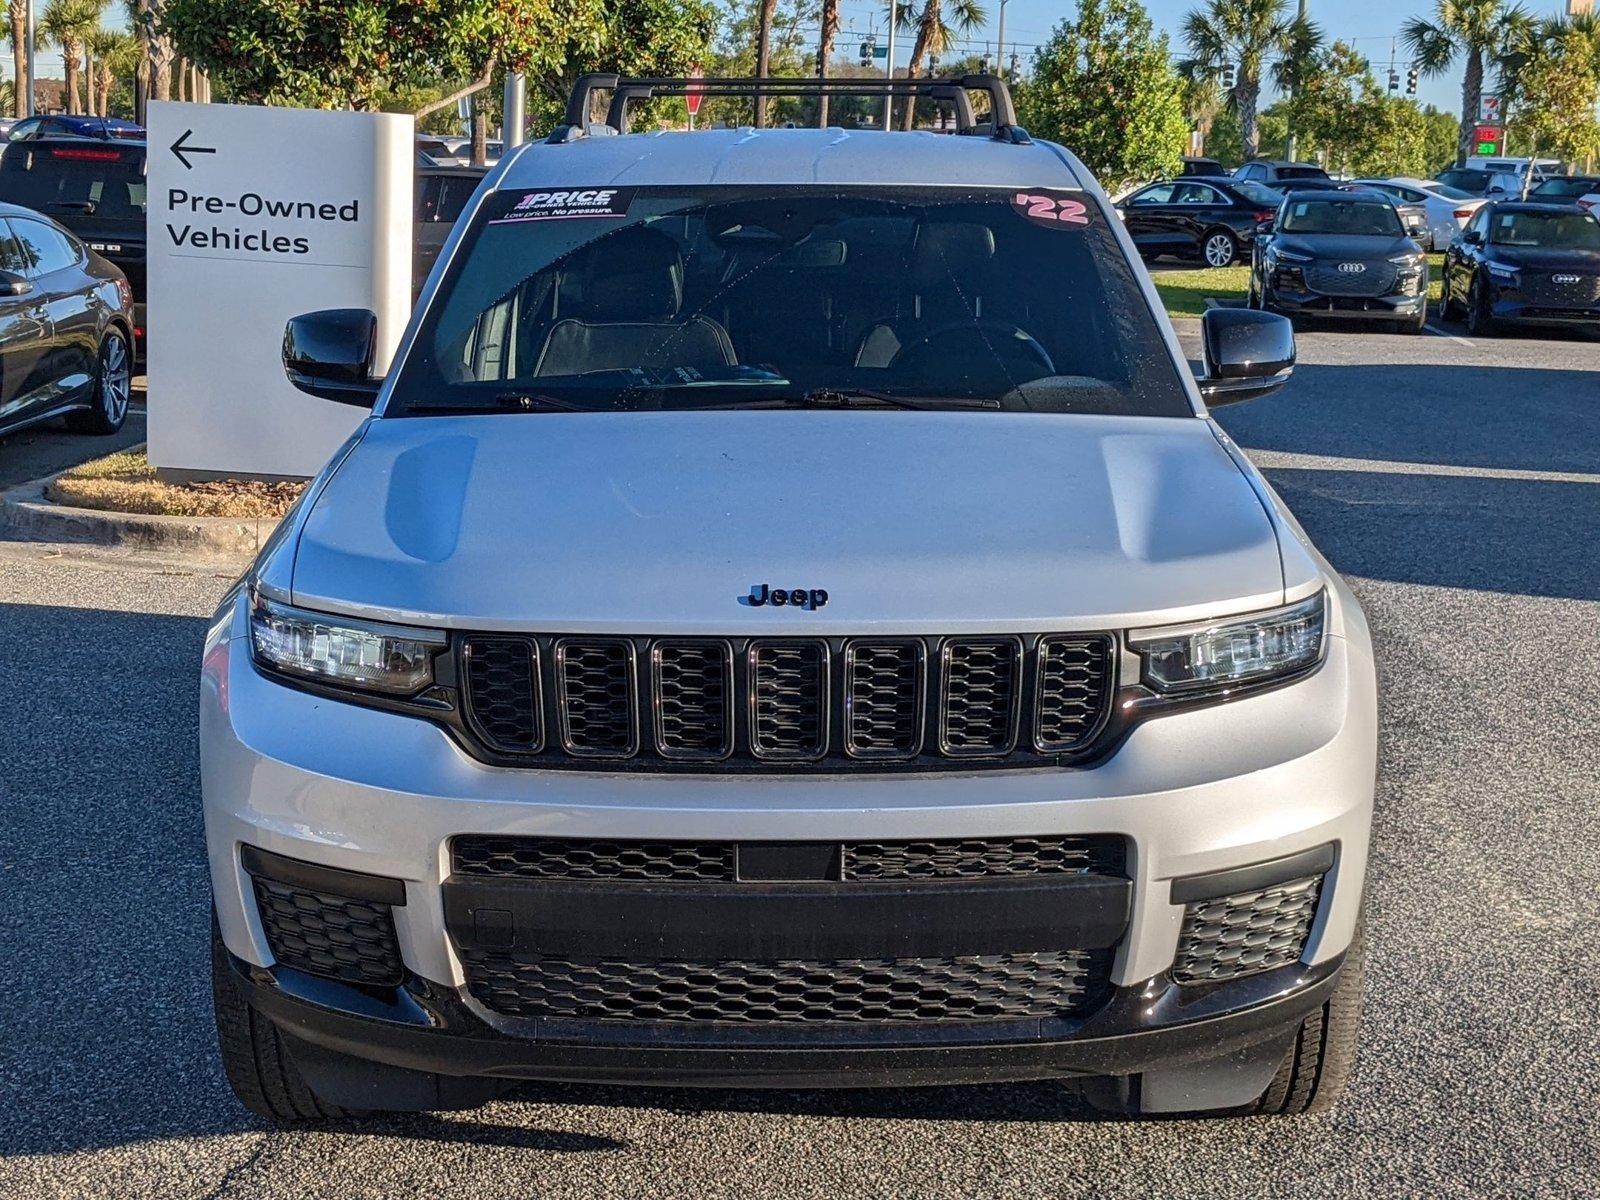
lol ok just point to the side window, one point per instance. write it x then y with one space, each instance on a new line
12 256
454 192
1157 193
44 249
428 199
1195 193
1253 171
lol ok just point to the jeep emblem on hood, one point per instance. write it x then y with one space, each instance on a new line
761 594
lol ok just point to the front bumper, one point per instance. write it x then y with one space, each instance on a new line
1309 303
1192 794
1508 304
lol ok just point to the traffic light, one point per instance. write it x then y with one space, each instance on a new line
1230 77
867 48
1411 80
1394 80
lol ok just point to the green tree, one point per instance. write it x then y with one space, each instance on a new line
735 54
1480 32
69 24
936 25
116 57
1553 109
1104 84
331 54
1253 37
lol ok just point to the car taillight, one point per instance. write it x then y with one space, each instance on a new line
1264 215
1461 214
1587 205
81 155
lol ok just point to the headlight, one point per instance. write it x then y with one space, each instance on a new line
1291 256
365 655
1222 655
1407 260
1502 273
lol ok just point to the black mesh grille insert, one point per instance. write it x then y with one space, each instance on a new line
561 858
971 858
967 988
1074 685
981 691
884 687
332 936
597 697
1246 933
788 699
693 689
503 693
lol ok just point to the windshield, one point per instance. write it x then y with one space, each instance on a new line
1258 193
1575 230
692 297
95 180
1449 192
1368 218
1469 183
1302 173
1566 187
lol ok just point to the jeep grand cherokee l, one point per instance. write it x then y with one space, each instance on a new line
790 620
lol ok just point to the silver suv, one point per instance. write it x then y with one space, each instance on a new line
789 620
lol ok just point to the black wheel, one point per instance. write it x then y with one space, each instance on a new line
1314 1071
1252 297
113 387
1480 323
1220 248
254 1057
1447 305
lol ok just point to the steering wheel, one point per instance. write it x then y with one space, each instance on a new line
975 341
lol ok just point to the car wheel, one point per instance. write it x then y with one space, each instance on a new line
1447 306
113 387
1220 248
1313 1074
1480 323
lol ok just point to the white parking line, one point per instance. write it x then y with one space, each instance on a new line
1445 333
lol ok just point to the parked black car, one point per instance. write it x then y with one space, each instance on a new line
1340 254
75 125
66 328
1582 190
1277 171
442 192
1524 261
93 187
1210 218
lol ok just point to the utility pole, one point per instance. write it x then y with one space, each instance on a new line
1292 150
1000 43
33 80
888 99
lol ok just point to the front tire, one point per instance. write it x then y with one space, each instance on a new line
1480 322
113 388
1220 249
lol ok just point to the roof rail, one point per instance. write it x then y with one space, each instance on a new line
1000 122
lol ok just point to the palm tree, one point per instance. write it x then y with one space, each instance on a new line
1202 101
934 32
1251 36
830 31
69 24
1478 31
19 55
768 10
116 56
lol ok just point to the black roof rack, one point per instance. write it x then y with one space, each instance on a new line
999 122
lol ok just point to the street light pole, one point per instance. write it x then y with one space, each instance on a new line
33 86
1000 43
888 99
1291 151
514 111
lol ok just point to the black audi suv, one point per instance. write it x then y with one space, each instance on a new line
1524 261
1340 254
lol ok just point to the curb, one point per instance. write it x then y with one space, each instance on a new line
26 515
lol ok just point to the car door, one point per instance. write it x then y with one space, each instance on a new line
1465 254
1147 214
1199 208
24 337
69 306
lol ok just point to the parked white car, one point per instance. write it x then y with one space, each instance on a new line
1449 208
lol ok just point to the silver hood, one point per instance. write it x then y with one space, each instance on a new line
661 522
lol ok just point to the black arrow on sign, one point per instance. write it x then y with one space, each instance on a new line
181 149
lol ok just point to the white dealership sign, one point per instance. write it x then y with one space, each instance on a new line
256 215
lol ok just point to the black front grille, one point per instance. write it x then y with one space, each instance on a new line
786 704
1246 933
512 856
333 936
815 991
1374 279
1573 291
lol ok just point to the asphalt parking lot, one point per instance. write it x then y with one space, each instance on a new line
1456 484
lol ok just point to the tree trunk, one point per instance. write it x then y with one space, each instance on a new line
1249 91
830 30
480 131
69 66
769 10
107 78
1471 94
19 56
918 49
90 100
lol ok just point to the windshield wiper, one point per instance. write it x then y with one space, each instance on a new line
862 397
537 402
83 206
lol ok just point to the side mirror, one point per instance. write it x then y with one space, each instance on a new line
1265 228
329 354
1247 354
12 284
1472 237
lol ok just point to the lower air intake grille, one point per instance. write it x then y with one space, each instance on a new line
969 988
332 936
983 858
559 858
1246 933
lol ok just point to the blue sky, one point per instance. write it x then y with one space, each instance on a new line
1369 25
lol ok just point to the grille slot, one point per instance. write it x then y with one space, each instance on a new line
1074 678
972 858
596 697
503 693
1246 933
788 700
563 858
693 686
1377 280
982 691
885 685
335 937
967 988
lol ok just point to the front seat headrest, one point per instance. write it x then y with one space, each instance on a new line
633 275
949 249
